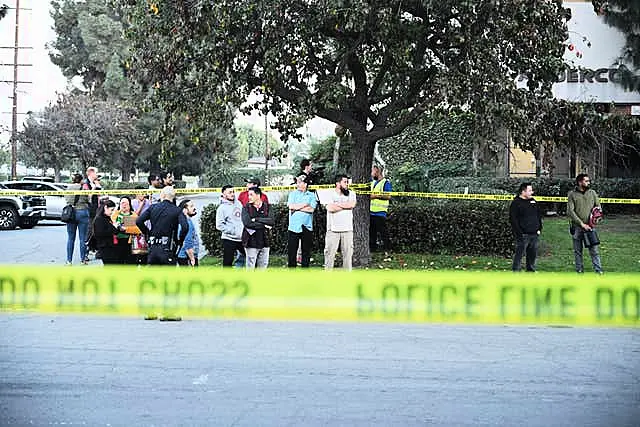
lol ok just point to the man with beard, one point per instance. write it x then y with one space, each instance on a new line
581 202
229 222
188 253
340 224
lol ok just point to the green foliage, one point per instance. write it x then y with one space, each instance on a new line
250 142
219 176
617 188
418 226
5 155
433 140
415 177
321 156
382 62
623 15
81 130
89 44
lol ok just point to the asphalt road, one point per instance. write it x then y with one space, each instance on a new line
83 371
88 371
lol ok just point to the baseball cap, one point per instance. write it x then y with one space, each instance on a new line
253 180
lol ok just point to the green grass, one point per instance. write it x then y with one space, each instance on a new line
619 250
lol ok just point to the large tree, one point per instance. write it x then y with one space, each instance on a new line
84 130
89 44
371 66
625 16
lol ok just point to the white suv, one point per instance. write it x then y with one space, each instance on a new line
55 204
22 211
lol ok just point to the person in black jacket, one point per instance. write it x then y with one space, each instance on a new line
526 223
105 233
255 237
163 238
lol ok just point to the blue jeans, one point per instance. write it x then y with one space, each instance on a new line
578 239
81 224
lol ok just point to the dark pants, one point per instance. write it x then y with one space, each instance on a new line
292 247
161 255
184 262
525 243
124 251
378 226
229 248
110 255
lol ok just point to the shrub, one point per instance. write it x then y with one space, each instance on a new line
619 188
419 226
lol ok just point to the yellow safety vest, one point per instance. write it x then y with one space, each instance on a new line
378 205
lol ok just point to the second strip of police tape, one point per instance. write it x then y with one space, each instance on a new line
358 188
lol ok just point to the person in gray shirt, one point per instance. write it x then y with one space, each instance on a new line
229 222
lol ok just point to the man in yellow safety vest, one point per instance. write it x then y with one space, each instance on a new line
378 209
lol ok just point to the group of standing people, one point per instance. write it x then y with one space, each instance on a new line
149 229
245 221
584 212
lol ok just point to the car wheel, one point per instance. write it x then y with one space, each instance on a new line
8 218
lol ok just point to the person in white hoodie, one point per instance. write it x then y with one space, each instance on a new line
229 222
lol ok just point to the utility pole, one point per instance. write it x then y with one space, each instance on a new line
14 110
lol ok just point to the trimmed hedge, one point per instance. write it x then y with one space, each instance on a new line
618 188
418 226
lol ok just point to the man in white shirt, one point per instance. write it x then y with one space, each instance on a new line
340 224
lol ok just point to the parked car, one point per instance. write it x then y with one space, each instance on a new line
55 204
38 178
20 211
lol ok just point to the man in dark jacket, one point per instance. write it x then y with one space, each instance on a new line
526 223
163 237
255 237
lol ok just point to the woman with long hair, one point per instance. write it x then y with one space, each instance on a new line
106 232
81 224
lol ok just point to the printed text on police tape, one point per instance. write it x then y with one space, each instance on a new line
420 302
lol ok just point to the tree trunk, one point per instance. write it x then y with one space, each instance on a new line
336 154
56 174
362 155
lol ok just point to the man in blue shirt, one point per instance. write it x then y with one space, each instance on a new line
301 205
188 254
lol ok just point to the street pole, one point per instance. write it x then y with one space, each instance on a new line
14 110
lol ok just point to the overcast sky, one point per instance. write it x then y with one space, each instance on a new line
36 31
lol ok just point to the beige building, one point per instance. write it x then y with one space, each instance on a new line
588 78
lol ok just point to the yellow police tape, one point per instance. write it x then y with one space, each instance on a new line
358 188
508 197
279 294
131 191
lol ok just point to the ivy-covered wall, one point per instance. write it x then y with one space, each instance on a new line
435 139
